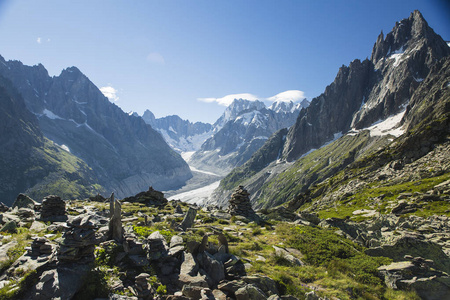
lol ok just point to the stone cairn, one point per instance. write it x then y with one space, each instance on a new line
240 203
40 246
79 240
52 207
142 289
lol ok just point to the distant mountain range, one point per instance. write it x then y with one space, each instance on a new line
241 130
368 105
181 135
125 154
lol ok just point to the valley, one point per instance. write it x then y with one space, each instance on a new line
345 196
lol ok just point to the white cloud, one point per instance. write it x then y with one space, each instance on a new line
228 99
156 58
291 95
110 93
39 40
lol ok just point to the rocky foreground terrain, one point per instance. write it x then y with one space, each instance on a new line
145 247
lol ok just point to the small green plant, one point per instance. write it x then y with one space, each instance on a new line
161 290
95 285
106 256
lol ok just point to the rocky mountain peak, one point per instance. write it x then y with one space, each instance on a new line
149 117
408 33
236 108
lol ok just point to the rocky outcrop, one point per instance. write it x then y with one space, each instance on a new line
331 112
149 198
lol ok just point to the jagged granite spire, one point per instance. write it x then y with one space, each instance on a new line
407 33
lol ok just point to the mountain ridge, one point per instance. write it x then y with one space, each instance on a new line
126 154
367 92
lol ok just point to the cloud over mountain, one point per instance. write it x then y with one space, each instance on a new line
290 95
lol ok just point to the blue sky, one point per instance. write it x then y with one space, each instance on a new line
184 57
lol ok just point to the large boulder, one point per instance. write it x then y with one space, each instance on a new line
23 201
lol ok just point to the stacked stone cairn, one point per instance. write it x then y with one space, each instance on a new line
142 289
79 240
40 246
53 208
157 246
240 203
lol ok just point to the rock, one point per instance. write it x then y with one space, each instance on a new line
310 217
213 267
219 295
405 208
40 246
132 246
416 275
178 209
142 289
38 226
97 198
4 250
414 244
196 292
59 283
10 227
189 219
189 266
429 288
312 296
150 198
250 292
266 284
115 222
157 246
286 255
53 208
23 201
120 297
26 214
176 245
3 207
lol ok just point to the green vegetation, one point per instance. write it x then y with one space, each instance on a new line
315 167
388 192
63 174
145 231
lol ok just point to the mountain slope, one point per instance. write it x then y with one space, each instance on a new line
416 161
362 95
126 154
31 163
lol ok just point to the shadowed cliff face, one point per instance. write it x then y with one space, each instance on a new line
126 154
31 163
